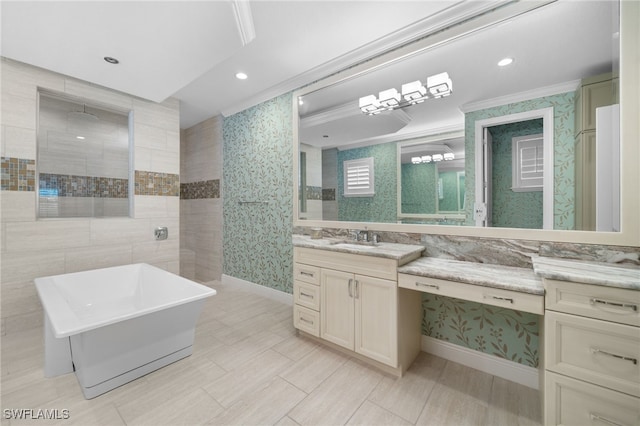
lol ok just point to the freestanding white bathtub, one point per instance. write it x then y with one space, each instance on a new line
114 325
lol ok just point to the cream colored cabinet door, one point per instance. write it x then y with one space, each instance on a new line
337 310
376 319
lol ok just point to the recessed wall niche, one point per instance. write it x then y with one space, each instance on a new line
83 162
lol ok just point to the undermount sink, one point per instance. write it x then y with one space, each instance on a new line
354 246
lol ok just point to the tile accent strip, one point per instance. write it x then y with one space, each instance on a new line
200 190
18 174
155 183
328 194
314 193
83 186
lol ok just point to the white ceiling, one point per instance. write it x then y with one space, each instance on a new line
192 50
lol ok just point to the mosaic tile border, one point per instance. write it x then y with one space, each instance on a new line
18 174
52 184
200 190
328 194
314 193
155 183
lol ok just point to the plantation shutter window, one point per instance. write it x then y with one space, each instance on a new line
359 178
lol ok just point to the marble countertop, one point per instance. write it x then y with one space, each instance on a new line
588 272
523 280
395 251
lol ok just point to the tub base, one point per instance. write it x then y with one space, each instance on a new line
106 386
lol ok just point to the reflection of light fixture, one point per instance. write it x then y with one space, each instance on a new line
370 105
414 92
416 160
448 156
389 98
426 158
437 157
438 86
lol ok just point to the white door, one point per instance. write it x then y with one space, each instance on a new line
337 307
376 317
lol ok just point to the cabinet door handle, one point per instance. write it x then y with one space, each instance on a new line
308 274
357 289
594 416
419 284
504 299
630 306
350 290
306 320
306 295
622 357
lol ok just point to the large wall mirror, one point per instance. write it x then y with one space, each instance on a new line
460 144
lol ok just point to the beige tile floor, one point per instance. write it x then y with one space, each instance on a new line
249 367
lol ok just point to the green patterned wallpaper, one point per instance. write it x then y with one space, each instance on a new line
449 200
382 206
258 194
505 333
419 188
563 168
513 209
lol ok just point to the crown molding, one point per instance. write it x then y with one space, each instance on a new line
350 109
429 25
244 20
554 89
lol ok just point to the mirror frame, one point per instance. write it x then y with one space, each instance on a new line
629 234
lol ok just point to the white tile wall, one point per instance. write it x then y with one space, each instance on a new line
33 248
201 220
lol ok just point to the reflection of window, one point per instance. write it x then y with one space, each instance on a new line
528 163
358 178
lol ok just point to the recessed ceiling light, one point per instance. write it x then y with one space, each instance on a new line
241 76
80 137
504 62
111 60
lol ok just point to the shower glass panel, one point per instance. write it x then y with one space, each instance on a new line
83 159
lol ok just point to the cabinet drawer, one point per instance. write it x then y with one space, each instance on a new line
606 303
306 320
573 402
307 295
307 273
487 295
597 351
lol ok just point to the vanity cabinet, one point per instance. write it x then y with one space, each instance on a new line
591 354
355 305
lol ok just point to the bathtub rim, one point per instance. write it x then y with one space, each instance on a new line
65 323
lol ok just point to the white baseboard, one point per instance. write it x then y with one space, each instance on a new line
500 367
261 290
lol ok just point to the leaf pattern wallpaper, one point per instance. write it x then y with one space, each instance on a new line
513 209
505 333
563 167
258 194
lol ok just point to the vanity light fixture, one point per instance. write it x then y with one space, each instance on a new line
389 98
448 156
416 160
426 158
437 157
241 76
438 86
505 61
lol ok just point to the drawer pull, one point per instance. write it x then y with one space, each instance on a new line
306 295
350 290
630 306
505 299
419 284
307 274
306 320
357 290
622 357
604 420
